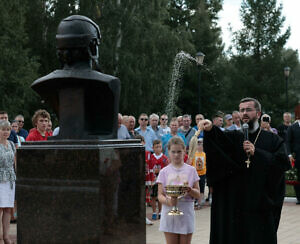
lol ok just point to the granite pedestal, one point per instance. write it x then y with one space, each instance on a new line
81 191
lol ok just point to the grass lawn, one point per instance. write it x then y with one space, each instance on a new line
289 191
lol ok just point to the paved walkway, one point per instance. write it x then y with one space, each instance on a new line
288 233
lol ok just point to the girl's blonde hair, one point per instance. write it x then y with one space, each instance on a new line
4 124
176 140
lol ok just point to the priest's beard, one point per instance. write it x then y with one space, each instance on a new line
253 125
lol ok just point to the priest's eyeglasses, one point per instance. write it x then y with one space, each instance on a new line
243 110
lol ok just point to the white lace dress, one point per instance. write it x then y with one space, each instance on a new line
7 175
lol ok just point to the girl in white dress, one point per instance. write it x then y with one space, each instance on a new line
178 229
7 177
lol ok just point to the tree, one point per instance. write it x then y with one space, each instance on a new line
258 65
140 40
199 18
17 68
42 19
261 35
139 48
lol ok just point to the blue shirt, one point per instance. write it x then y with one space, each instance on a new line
233 127
123 132
164 131
201 133
188 134
13 137
159 132
149 136
166 138
23 133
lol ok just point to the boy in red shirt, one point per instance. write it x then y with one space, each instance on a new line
148 175
157 162
40 121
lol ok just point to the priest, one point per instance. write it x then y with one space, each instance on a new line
246 172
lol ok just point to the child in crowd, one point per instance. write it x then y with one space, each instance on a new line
199 162
158 161
148 174
178 229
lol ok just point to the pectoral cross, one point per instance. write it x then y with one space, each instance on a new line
248 162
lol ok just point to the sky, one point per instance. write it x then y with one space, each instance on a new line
231 15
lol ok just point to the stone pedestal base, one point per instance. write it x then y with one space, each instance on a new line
81 192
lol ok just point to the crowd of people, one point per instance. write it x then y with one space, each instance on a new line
219 146
11 137
238 189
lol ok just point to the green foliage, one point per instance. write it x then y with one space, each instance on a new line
289 191
257 68
17 68
261 35
139 48
42 19
140 39
199 19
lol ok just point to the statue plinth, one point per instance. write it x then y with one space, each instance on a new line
81 191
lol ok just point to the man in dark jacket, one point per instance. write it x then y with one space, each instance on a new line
293 147
247 176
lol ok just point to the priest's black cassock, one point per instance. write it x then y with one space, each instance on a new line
246 202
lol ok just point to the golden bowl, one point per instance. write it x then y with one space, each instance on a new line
175 190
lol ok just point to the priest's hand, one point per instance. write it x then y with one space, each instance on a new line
205 125
249 147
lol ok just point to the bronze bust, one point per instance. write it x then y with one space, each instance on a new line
85 100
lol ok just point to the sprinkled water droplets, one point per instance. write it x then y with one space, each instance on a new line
181 59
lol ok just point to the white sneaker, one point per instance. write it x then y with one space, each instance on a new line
148 222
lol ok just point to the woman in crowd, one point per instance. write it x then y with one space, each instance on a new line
15 127
7 177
